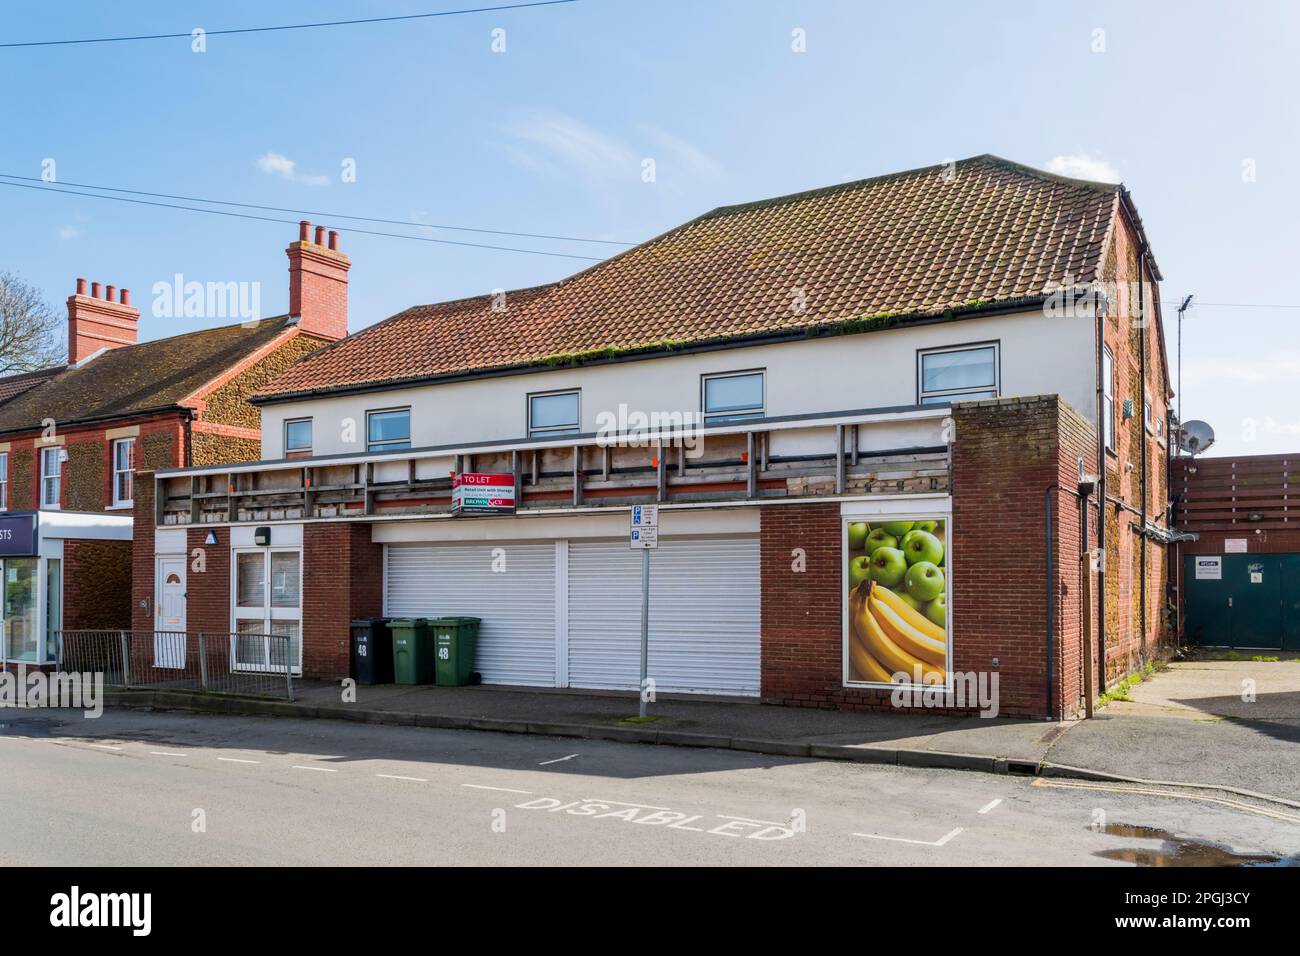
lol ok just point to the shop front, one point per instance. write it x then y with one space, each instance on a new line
43 555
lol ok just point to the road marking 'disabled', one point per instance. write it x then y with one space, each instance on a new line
990 805
939 842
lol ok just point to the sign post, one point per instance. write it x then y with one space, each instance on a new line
644 534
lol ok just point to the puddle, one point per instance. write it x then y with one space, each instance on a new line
1180 851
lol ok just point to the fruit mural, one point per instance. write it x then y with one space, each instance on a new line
897 576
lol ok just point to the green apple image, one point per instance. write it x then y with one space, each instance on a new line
859 570
908 600
920 545
897 528
924 580
888 566
937 610
858 531
879 538
929 526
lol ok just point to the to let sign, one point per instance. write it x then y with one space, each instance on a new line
483 494
17 536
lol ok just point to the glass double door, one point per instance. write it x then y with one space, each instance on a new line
21 605
268 607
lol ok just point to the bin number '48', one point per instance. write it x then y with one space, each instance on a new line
444 653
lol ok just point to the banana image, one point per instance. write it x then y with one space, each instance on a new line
881 649
907 634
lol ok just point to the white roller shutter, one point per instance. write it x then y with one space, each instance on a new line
516 643
704 615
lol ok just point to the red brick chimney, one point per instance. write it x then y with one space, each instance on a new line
98 321
318 283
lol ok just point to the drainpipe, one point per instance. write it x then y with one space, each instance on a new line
1101 509
1051 603
1142 430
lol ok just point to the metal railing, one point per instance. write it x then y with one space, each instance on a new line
251 665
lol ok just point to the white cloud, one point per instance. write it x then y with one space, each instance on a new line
688 157
1083 166
277 164
70 232
559 145
1276 367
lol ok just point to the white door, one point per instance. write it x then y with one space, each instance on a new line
704 615
510 587
169 618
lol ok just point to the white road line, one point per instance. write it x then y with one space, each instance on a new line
771 823
394 776
624 803
237 760
939 842
106 747
990 805
479 786
557 760
167 753
317 769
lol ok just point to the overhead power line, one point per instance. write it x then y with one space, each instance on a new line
326 215
350 229
288 26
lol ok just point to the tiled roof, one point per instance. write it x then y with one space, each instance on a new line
11 385
920 242
136 378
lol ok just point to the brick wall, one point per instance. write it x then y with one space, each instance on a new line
96 585
207 592
142 553
1006 456
342 580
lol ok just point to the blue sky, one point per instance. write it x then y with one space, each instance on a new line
549 136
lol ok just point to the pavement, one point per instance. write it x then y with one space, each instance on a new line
1190 725
139 788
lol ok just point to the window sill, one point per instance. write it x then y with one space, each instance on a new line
121 506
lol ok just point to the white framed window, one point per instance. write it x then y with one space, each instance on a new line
554 413
1108 397
733 396
266 606
297 438
958 373
51 476
123 472
1146 414
4 481
388 429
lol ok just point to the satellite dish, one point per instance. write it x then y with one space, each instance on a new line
1195 437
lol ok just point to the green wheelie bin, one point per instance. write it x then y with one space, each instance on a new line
455 639
412 650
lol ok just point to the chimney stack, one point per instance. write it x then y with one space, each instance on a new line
98 321
318 283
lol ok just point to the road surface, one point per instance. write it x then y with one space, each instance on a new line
171 789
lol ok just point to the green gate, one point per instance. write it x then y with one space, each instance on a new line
1243 600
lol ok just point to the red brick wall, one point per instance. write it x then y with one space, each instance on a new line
1006 456
342 580
207 592
142 553
96 585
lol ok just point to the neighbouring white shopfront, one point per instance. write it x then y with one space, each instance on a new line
559 598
